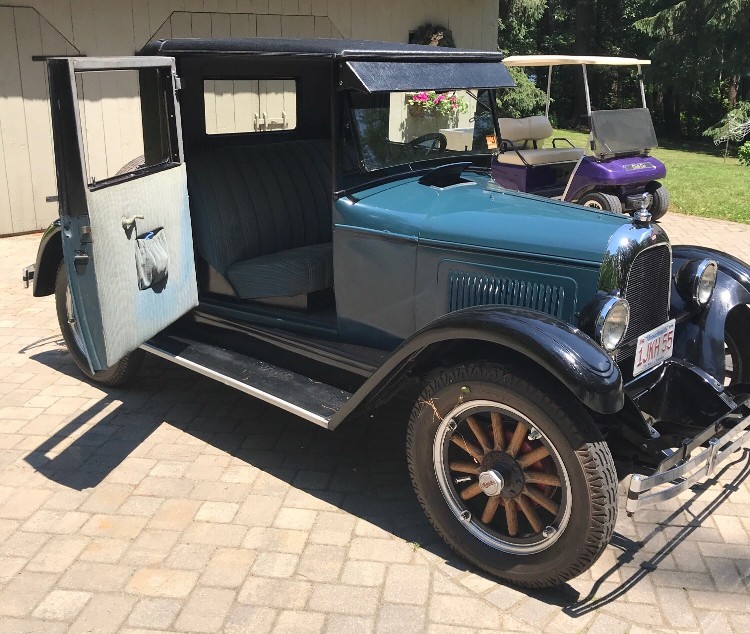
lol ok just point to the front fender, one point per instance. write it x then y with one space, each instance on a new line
48 258
565 352
700 340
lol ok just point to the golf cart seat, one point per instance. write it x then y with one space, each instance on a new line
262 216
518 134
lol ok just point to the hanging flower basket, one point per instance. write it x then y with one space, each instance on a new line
431 104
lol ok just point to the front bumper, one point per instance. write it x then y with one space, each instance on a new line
681 470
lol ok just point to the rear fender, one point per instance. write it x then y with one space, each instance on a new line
561 350
48 258
700 340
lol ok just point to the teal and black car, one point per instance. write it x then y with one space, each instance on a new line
314 223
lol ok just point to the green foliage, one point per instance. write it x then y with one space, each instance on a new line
523 101
517 25
699 51
744 153
734 126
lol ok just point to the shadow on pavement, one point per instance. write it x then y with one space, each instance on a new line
360 468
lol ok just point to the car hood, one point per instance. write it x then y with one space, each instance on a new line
478 213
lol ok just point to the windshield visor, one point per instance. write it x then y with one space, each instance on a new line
400 128
622 131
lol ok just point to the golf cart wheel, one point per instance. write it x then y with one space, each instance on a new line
512 473
737 346
120 373
600 200
659 199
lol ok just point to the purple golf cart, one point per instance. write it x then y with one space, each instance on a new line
617 173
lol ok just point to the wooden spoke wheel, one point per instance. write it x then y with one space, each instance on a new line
501 477
512 472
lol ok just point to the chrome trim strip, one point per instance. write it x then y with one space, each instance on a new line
718 450
238 385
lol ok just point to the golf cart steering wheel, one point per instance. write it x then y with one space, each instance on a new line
430 142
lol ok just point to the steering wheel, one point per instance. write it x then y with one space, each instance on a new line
430 142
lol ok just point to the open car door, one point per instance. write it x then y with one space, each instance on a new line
127 239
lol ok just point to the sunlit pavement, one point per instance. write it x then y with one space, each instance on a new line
180 505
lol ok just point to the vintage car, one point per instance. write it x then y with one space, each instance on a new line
309 222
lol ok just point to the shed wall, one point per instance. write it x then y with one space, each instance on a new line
121 27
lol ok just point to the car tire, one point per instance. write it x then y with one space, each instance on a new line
120 373
600 200
737 346
571 489
659 200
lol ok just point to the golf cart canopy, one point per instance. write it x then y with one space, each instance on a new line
565 60
365 66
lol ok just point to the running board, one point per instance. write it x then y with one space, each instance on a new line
295 393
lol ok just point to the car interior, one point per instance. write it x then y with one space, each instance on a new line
260 195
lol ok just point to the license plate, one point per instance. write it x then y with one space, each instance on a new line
654 347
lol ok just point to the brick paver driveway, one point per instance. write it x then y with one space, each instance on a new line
180 505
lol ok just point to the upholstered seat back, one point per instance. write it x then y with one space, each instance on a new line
534 128
250 201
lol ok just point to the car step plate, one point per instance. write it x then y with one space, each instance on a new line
295 393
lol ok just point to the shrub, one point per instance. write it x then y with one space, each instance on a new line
744 153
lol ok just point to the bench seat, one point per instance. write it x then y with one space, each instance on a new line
284 274
262 216
543 156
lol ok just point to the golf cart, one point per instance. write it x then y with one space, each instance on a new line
619 170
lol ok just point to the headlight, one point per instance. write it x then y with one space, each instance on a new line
695 281
606 319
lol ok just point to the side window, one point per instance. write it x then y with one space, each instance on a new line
125 122
238 106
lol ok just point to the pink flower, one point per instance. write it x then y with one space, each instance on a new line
420 96
440 98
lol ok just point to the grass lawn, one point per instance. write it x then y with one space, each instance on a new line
700 183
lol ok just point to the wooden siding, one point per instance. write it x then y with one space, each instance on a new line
121 27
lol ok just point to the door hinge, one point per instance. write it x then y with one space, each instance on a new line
177 83
85 234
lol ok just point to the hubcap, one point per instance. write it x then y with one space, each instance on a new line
593 204
491 482
502 477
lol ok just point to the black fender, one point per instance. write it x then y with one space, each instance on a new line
700 340
48 258
565 352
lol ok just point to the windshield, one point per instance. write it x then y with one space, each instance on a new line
622 131
399 128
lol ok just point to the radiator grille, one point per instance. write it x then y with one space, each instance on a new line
647 292
475 289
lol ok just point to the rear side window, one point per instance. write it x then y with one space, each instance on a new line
239 106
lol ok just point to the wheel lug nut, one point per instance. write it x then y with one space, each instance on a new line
466 516
549 531
452 426
533 435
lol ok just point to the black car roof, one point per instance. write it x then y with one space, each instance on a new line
317 47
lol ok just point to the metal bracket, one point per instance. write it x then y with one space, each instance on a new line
81 258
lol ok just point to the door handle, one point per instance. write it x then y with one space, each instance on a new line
127 223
